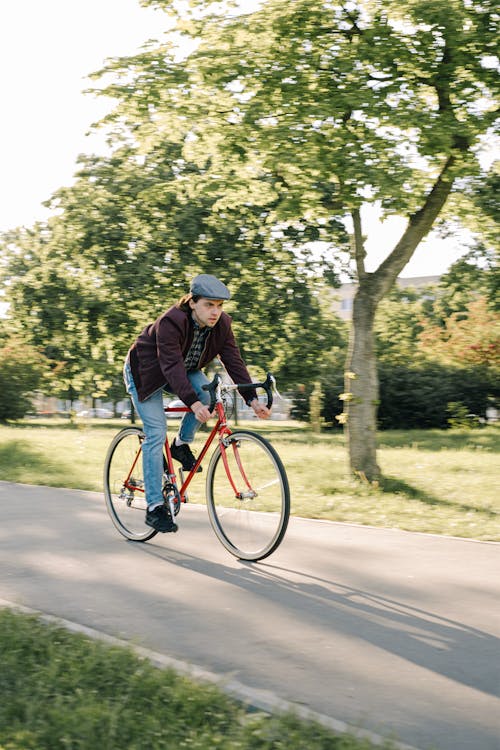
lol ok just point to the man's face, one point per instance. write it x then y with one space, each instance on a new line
206 312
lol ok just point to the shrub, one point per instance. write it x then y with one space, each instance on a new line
419 397
22 369
459 416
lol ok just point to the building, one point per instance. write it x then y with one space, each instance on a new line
344 295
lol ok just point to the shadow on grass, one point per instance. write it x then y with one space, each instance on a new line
20 463
396 486
487 439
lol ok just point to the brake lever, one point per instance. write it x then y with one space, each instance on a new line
274 387
211 388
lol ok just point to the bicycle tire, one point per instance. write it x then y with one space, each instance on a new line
249 527
126 506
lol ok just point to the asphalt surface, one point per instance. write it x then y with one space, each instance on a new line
391 631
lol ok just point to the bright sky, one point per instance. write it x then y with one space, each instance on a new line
47 48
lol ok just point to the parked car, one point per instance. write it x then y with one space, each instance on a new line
99 412
104 413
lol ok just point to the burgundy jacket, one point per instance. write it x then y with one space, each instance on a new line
157 356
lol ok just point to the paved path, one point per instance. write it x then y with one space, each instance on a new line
388 630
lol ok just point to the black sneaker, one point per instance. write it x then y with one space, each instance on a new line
159 518
183 454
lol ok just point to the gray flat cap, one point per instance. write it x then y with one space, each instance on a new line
210 287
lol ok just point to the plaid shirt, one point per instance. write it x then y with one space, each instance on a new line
192 357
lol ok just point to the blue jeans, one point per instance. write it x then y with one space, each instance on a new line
155 429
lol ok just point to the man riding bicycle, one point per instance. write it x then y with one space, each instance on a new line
169 354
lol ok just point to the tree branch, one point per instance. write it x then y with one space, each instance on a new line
359 248
419 225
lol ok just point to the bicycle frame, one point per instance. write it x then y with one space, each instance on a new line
220 428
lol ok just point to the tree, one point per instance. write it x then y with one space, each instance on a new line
125 240
398 324
313 109
22 370
476 274
54 303
466 339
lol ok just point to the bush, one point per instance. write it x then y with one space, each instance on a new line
22 368
460 417
419 397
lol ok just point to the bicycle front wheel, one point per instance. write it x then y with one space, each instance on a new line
248 496
124 485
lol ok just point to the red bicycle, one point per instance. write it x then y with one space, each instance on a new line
247 492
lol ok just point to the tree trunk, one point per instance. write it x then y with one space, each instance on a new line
361 389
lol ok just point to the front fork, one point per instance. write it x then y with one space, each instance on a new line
249 493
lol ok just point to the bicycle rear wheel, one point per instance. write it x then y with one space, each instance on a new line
124 485
248 499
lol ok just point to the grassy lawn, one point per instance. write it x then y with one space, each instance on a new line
443 482
61 691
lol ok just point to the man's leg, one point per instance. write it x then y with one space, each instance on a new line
154 424
189 424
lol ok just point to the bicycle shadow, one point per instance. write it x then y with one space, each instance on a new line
422 637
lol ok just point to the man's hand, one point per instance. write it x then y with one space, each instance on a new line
201 412
261 411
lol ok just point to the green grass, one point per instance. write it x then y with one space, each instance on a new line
443 482
61 691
